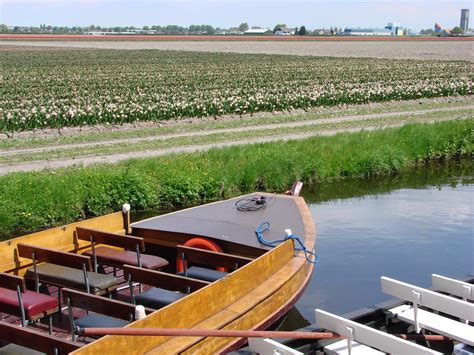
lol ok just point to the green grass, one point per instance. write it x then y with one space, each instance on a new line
169 142
31 201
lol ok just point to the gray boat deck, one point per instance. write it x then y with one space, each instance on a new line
223 221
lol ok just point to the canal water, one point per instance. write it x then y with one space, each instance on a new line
406 226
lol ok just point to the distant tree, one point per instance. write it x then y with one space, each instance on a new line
296 30
243 27
195 29
146 28
174 29
457 31
3 28
302 31
209 29
428 32
279 27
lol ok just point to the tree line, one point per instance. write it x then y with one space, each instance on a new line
155 29
169 29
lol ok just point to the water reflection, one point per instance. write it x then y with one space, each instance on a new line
406 226
435 175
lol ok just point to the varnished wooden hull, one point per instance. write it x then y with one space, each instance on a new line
252 297
60 238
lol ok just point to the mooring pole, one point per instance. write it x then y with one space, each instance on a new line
126 217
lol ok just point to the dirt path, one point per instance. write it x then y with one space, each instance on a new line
113 158
315 122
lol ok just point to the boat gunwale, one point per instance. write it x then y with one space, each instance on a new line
310 235
63 235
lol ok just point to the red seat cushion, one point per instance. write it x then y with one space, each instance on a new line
111 256
35 303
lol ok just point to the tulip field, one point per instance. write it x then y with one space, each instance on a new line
54 88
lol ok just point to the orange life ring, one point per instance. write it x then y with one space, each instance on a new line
200 243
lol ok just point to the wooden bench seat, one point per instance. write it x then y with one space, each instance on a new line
107 312
36 304
202 273
113 257
64 276
16 300
436 323
364 337
167 288
157 298
208 258
427 298
131 255
28 341
64 270
13 349
422 319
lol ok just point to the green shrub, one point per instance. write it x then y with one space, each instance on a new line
31 201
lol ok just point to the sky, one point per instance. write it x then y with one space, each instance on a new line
414 14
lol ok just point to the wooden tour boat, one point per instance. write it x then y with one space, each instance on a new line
199 268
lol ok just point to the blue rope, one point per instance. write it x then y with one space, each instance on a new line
299 245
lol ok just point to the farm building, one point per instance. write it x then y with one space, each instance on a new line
234 31
322 32
285 31
367 32
258 32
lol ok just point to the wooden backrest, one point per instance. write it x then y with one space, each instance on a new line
211 258
118 240
428 298
12 282
102 305
163 280
34 340
54 257
59 238
453 287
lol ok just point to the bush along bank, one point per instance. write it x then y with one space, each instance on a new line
36 200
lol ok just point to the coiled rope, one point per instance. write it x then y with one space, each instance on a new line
299 245
252 204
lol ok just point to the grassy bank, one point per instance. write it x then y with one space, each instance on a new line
31 201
